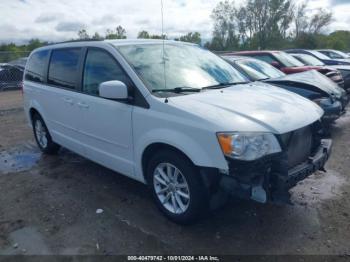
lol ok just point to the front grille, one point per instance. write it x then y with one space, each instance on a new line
299 145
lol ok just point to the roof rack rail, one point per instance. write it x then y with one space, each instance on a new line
78 40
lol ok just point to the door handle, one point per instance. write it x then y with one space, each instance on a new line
68 101
83 105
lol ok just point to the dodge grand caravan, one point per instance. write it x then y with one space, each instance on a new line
175 117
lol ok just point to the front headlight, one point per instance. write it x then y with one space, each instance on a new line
248 146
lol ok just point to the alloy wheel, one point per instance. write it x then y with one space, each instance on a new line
171 188
40 133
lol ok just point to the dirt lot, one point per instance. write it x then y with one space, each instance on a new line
48 206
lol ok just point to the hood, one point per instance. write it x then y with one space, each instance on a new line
311 78
254 107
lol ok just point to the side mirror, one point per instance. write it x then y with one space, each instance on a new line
276 64
116 90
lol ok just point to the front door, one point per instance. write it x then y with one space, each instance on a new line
106 129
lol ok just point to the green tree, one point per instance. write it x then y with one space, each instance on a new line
192 37
33 44
83 34
118 33
339 40
97 36
319 21
159 36
225 26
143 35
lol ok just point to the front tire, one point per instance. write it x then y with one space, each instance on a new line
177 187
43 137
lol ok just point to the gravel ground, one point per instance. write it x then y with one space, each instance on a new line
48 205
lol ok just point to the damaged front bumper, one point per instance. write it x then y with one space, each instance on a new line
268 179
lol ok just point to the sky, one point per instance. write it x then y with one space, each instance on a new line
59 20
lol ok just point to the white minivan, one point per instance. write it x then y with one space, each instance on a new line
176 117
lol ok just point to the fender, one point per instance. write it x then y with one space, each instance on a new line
204 155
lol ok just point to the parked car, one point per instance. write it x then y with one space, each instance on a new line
10 77
325 59
335 54
287 63
176 117
308 84
343 69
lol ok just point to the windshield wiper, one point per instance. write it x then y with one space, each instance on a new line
177 90
222 85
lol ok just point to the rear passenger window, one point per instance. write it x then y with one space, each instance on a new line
63 69
35 69
101 67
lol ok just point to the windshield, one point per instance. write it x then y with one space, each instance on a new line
310 60
264 68
319 55
184 66
287 59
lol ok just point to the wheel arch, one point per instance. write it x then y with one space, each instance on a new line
33 111
153 148
35 108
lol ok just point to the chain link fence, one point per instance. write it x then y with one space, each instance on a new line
11 69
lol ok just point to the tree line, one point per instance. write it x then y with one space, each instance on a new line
120 33
272 24
256 24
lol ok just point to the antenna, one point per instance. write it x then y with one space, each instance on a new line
164 71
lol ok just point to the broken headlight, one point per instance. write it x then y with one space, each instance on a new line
248 146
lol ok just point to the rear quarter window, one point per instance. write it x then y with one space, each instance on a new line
64 66
35 68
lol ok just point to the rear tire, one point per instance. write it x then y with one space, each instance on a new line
177 187
43 137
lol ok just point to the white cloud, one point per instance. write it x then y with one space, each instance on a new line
69 26
48 17
52 20
60 20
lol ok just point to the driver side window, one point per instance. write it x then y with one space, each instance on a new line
100 67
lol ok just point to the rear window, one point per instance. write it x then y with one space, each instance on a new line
287 60
266 58
63 69
35 69
319 55
261 67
